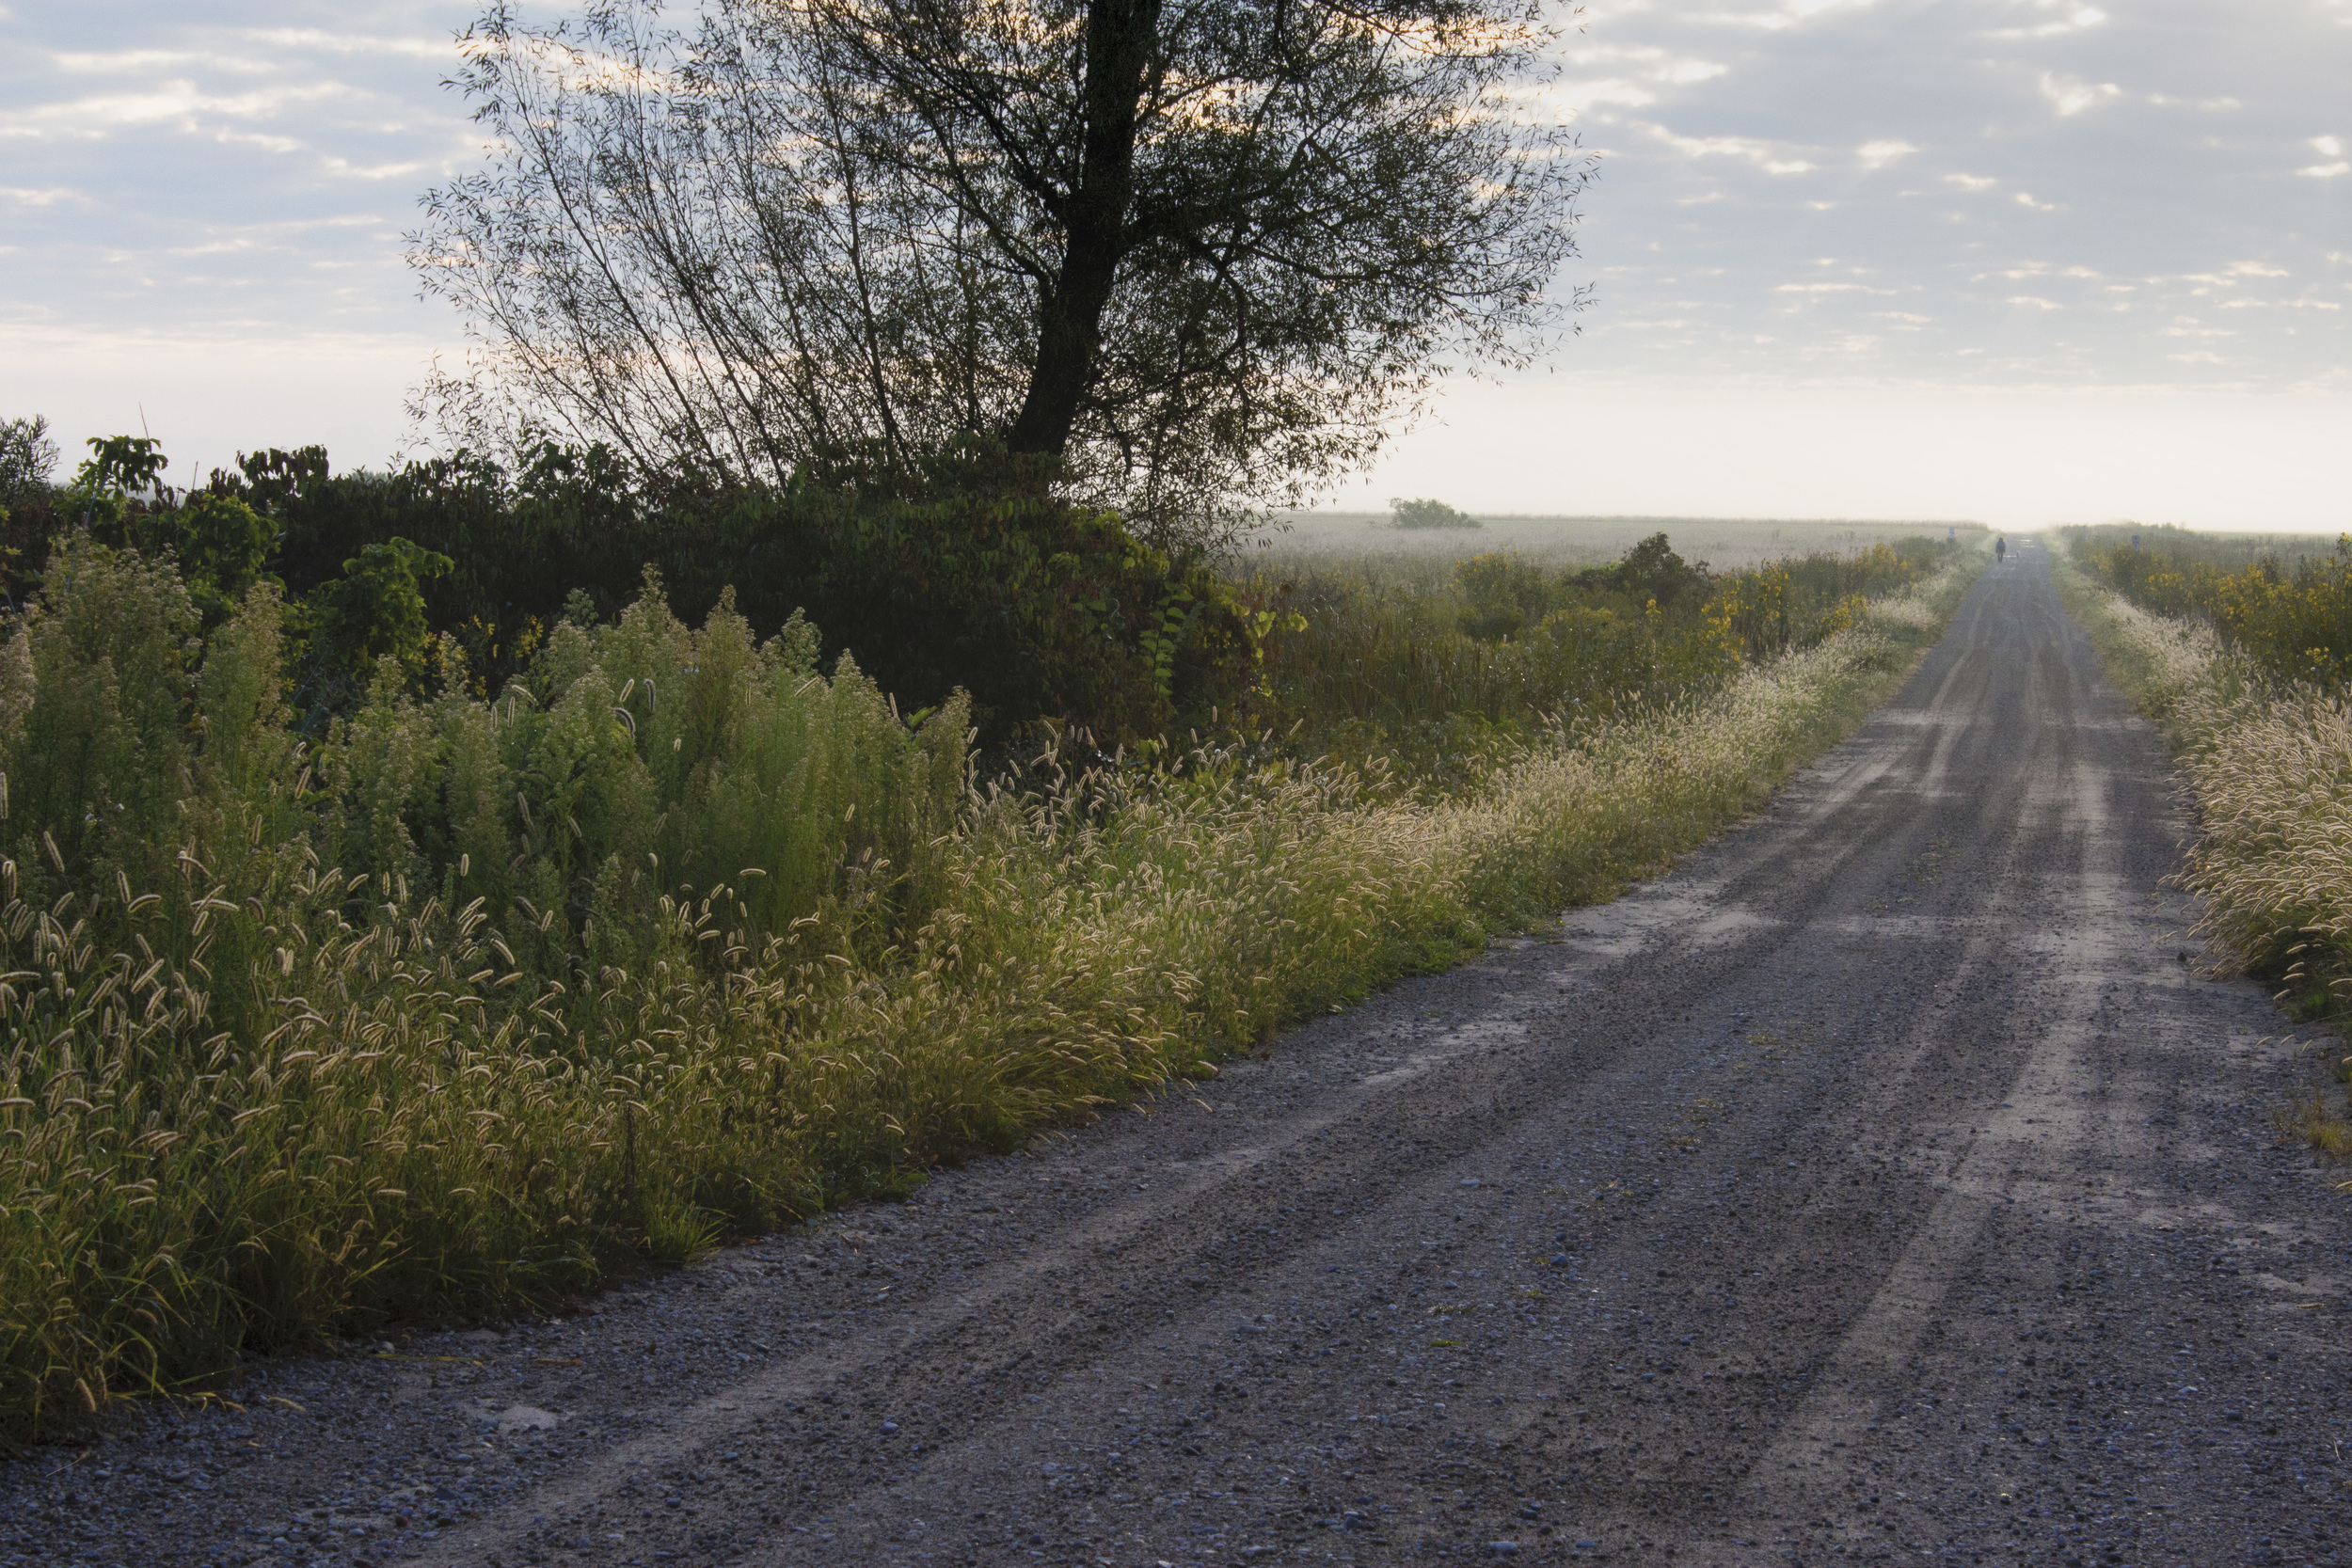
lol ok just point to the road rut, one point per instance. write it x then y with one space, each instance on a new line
1885 1183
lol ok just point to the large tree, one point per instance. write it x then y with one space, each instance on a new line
1202 252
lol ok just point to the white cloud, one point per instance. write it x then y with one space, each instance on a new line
2330 146
1636 76
2036 301
1575 98
255 138
1790 13
128 61
178 100
2325 171
372 171
2025 198
352 44
2037 269
1971 182
2077 18
1761 153
1878 154
2072 95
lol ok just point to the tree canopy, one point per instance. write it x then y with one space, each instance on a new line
1191 253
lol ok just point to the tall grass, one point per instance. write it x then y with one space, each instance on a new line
1440 667
478 998
2269 762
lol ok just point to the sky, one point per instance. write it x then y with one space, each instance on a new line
2021 261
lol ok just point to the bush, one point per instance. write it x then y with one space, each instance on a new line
968 574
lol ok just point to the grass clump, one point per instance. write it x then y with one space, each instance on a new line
475 998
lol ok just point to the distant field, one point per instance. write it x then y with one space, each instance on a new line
1309 540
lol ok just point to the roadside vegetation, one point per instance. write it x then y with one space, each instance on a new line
349 969
2243 658
1440 666
2283 603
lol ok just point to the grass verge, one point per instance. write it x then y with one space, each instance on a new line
279 1103
2268 761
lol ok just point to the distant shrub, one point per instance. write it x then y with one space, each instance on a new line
1427 514
1505 594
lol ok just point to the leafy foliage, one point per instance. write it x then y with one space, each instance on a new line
26 457
375 610
967 574
2292 616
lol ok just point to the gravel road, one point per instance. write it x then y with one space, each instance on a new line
1883 1183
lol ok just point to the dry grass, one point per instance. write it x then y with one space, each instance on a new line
262 1101
2269 762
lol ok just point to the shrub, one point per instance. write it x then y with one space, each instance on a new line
968 574
375 610
2291 619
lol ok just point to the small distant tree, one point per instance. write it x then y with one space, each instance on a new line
27 457
1651 570
1427 514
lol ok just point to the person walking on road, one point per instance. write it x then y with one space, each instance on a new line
2000 550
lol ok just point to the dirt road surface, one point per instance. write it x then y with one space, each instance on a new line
1884 1184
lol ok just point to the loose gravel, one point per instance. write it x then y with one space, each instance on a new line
1886 1183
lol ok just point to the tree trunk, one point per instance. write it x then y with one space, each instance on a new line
1122 39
